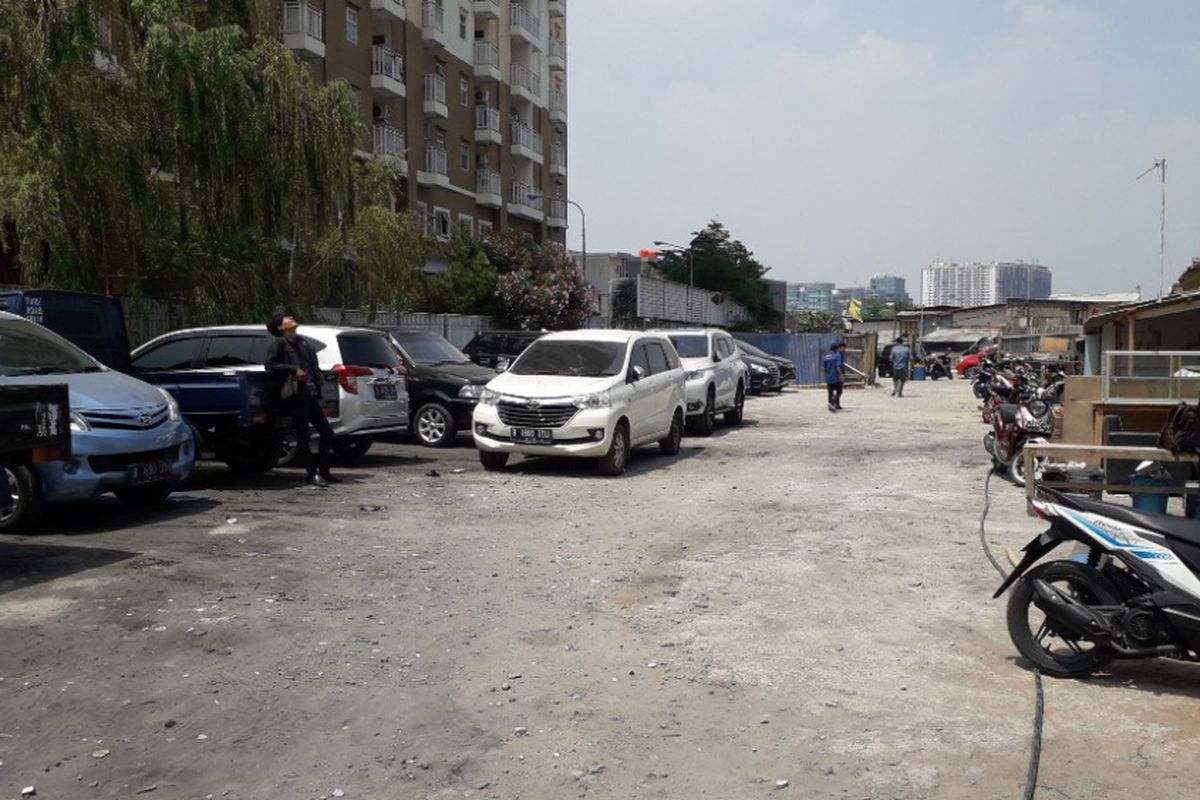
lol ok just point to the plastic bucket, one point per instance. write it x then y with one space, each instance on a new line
1155 503
918 373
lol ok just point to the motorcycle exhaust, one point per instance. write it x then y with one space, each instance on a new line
1069 615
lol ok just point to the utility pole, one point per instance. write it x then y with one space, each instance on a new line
1161 166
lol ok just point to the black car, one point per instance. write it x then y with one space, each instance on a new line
443 386
884 365
498 349
787 370
764 374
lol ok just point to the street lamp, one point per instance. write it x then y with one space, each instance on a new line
691 271
583 218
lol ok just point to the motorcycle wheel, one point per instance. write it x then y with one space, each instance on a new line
1062 656
1016 467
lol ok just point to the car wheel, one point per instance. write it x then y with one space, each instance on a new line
493 461
617 459
703 425
351 447
735 416
434 425
670 445
27 504
142 496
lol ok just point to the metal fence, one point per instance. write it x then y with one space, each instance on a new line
457 328
806 350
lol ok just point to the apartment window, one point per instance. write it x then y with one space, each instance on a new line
466 223
351 24
423 217
462 24
464 91
441 223
464 155
485 228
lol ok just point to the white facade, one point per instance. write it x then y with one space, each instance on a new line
971 285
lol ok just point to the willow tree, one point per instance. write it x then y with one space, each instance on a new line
203 158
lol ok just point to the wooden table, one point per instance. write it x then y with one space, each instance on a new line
1097 453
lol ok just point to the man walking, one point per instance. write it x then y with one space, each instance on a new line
834 365
901 363
294 360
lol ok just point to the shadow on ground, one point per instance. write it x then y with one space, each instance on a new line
28 563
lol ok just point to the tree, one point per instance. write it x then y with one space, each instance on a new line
814 322
723 264
874 308
207 161
469 284
539 287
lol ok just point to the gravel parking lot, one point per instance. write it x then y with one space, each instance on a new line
802 600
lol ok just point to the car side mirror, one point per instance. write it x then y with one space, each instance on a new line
636 373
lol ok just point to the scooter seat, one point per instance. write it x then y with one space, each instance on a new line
1008 412
1181 528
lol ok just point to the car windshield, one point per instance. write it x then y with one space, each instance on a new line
694 346
572 358
751 350
429 349
28 349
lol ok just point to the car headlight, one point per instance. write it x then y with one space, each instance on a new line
172 406
488 397
759 368
594 400
471 391
694 375
78 423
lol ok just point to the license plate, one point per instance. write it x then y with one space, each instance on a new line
150 472
532 436
386 391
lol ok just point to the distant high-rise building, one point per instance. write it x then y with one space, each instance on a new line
966 286
889 288
810 297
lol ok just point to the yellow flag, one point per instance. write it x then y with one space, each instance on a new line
854 310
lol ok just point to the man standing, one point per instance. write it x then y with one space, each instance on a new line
834 365
294 360
901 363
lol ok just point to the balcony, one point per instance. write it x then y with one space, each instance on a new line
390 144
558 55
526 143
435 172
557 8
435 96
387 72
524 26
487 126
558 106
558 161
487 9
526 84
388 10
489 188
556 212
487 60
433 24
304 29
522 202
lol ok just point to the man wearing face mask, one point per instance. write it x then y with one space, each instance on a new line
293 359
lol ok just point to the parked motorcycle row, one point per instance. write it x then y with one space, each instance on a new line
1019 400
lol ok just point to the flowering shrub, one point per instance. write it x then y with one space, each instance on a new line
540 287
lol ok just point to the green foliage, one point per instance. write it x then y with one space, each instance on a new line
380 253
625 300
469 284
814 322
878 309
539 286
208 161
723 264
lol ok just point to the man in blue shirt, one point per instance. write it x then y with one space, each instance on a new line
901 362
834 366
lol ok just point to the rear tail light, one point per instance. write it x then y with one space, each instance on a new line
347 376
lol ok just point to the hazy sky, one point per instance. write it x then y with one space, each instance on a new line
847 137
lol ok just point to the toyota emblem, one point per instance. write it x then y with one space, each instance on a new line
531 403
146 420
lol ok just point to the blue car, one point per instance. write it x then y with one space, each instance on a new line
127 437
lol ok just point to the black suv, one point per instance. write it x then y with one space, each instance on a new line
498 349
443 386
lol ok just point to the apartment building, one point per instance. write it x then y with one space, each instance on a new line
972 285
467 97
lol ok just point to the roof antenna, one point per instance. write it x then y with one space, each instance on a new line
1161 166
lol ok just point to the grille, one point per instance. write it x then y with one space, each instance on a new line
127 420
123 461
547 415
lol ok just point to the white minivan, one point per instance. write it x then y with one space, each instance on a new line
590 394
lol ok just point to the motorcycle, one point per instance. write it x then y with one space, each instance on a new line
1137 595
1015 425
939 367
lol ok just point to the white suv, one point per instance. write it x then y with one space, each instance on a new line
717 378
591 394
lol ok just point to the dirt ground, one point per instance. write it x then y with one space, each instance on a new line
803 599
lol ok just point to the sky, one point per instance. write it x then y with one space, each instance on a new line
842 138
